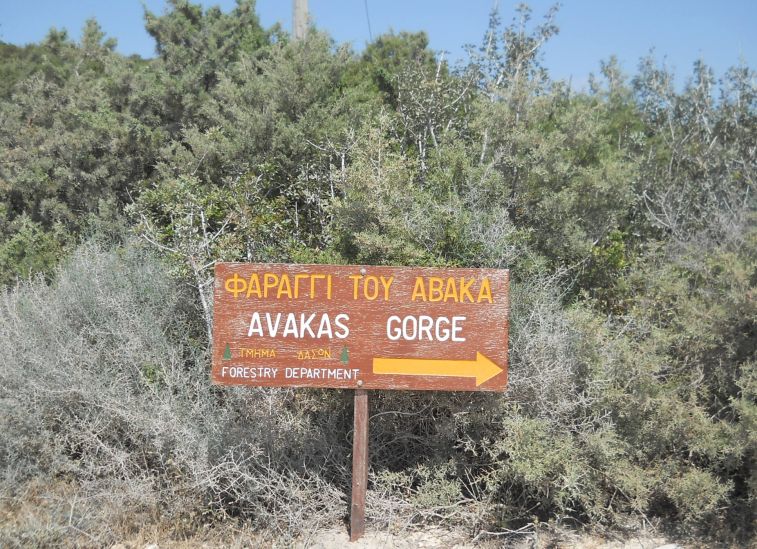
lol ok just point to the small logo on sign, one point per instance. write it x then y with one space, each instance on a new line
227 352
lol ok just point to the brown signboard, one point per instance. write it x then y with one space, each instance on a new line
345 326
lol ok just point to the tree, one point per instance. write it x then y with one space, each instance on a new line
68 141
194 46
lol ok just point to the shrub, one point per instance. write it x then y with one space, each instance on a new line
104 387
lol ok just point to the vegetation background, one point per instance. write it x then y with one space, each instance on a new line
625 212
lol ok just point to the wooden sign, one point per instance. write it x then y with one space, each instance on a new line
355 327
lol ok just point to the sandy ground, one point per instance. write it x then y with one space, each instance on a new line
437 538
431 538
335 539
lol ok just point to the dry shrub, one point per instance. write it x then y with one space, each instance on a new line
482 461
108 417
104 385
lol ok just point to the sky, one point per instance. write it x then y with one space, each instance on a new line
679 32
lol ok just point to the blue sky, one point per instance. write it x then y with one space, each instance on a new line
680 31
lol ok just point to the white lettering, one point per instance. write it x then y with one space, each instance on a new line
272 329
425 323
290 328
305 325
299 325
345 331
393 333
411 328
256 327
456 329
325 327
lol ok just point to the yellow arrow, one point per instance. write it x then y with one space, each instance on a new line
481 368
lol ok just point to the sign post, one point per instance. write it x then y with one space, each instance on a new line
359 465
352 327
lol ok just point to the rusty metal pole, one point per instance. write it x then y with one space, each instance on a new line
359 465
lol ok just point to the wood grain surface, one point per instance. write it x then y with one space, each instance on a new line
345 326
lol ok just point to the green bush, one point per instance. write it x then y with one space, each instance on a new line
625 212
